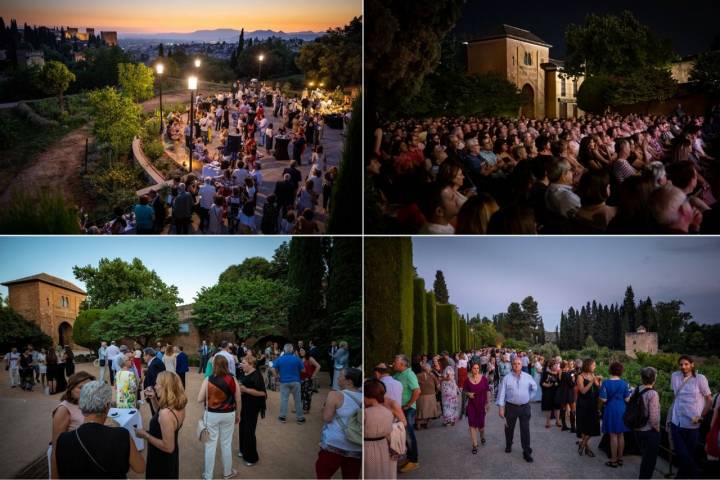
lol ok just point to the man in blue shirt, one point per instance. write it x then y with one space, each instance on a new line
288 368
516 390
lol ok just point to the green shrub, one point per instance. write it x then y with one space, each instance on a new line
430 311
154 149
40 213
521 345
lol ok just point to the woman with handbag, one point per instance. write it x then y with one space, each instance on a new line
379 421
337 451
220 395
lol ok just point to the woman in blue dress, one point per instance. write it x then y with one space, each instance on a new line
614 392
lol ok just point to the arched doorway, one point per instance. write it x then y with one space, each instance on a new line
65 334
528 110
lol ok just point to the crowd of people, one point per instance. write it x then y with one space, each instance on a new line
616 174
410 395
251 123
234 391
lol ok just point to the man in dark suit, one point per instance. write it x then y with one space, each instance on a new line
182 365
285 193
155 366
158 206
295 174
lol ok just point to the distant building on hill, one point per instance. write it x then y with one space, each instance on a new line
29 58
109 37
641 341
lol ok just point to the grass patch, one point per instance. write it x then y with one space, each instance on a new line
41 213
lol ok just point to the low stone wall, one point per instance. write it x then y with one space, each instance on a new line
150 171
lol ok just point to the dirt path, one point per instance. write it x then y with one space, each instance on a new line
58 168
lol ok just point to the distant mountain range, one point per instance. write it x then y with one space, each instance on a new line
220 34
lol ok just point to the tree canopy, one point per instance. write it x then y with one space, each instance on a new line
336 57
83 332
116 281
16 331
143 320
440 288
54 78
250 267
706 72
136 81
117 118
306 270
248 307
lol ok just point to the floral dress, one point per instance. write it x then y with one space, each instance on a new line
126 385
450 403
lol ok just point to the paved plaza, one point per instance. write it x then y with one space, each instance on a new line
286 450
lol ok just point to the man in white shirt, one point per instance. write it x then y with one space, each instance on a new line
207 197
112 352
559 197
439 205
13 363
393 388
224 351
240 174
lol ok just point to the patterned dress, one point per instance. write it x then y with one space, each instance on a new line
450 403
126 385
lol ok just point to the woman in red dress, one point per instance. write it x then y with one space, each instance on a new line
477 389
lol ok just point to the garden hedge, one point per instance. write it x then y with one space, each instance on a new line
444 313
420 330
431 323
388 299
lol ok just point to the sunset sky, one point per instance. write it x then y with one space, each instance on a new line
157 16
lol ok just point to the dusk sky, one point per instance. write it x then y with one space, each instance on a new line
690 26
157 16
186 262
485 274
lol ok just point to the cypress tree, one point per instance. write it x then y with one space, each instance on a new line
344 273
440 288
628 312
241 41
161 50
305 273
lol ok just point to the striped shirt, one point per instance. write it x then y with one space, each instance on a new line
622 170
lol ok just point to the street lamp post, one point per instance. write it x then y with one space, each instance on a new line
197 63
260 60
192 86
160 68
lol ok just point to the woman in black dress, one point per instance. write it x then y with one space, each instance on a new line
252 388
169 400
566 395
588 418
60 380
51 361
549 382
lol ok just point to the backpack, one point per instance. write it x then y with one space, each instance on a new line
635 415
354 427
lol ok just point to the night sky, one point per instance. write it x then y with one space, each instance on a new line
485 274
690 26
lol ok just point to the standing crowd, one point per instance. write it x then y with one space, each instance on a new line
407 397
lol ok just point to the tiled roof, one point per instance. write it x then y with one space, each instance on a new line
44 277
508 31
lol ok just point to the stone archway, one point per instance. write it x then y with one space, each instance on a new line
65 334
528 109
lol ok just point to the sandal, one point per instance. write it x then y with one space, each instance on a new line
547 425
581 449
483 441
589 452
620 463
611 464
474 450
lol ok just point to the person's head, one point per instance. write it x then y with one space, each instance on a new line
687 365
224 345
451 173
513 220
149 354
220 366
302 353
169 350
475 369
94 398
593 188
670 208
248 363
474 216
401 362
374 389
343 344
288 348
683 175
559 171
516 364
648 375
74 385
350 378
170 391
656 170
622 147
616 369
126 362
440 204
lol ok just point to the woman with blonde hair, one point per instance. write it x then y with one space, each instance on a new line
169 358
169 401
126 384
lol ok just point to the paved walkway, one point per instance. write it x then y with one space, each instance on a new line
445 452
286 450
